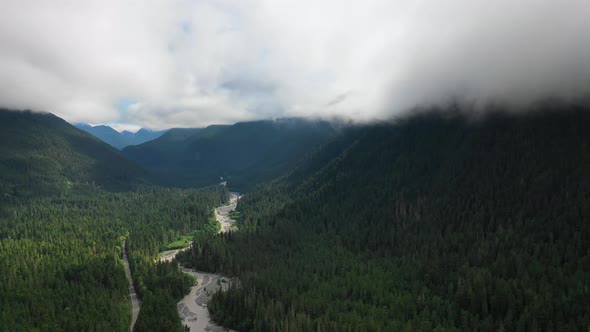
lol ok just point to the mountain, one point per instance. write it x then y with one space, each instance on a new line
141 136
123 139
69 205
244 154
176 135
437 222
41 153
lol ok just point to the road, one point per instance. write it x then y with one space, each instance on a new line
135 301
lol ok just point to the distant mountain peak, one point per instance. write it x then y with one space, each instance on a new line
122 139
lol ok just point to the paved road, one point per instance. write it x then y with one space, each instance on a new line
135 301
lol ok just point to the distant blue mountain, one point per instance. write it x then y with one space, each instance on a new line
123 139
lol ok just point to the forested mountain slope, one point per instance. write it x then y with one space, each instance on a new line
61 232
41 153
439 221
244 153
163 153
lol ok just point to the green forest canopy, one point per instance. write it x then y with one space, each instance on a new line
435 222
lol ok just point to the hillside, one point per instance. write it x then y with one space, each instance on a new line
41 153
163 152
435 222
123 139
68 203
245 153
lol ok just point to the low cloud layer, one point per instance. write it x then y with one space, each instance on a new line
193 63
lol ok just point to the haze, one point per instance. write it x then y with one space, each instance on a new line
162 64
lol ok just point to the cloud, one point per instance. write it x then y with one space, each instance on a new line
196 62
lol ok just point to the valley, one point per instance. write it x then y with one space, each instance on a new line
287 166
432 222
245 153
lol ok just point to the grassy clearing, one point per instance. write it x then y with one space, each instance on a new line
211 228
180 243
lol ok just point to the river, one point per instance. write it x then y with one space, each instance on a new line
192 309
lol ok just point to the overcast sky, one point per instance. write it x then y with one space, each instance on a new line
161 64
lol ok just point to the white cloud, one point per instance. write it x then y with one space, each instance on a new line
192 63
121 127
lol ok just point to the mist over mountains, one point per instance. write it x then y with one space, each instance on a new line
333 165
361 60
